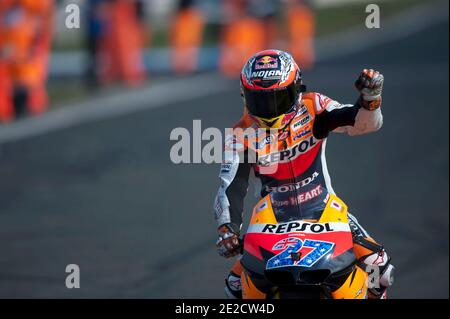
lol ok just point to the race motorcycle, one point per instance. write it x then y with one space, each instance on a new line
297 247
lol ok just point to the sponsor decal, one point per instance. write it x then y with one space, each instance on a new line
266 62
313 193
301 122
298 226
267 75
296 126
301 198
287 118
303 110
269 139
289 154
306 119
290 227
225 168
336 205
294 186
283 136
293 255
261 207
266 140
326 103
324 100
305 132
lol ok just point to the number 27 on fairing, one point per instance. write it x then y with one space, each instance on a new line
293 245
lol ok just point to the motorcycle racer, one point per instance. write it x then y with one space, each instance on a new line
275 98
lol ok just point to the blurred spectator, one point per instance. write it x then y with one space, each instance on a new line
301 30
121 42
93 36
186 37
243 35
6 101
25 39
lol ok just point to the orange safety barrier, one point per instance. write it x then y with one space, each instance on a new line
6 107
241 39
301 27
120 48
186 37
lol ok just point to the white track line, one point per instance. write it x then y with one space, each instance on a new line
116 104
159 95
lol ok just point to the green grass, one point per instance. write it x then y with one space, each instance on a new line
66 91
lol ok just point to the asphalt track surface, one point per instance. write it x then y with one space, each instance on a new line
106 196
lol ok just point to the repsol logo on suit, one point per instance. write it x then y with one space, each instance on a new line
289 154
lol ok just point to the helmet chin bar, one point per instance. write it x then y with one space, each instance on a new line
266 122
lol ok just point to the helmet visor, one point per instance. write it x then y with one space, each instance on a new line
271 103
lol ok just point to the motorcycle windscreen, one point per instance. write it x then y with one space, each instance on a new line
306 203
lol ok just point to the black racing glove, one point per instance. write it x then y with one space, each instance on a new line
370 86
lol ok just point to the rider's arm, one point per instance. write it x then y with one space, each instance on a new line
362 118
346 118
229 202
